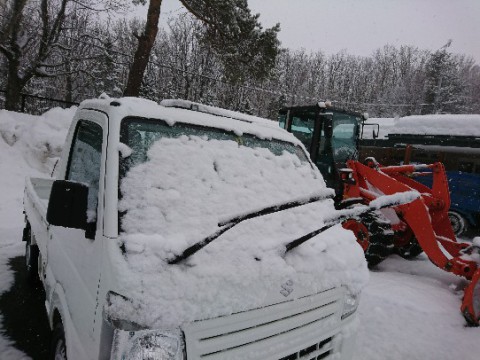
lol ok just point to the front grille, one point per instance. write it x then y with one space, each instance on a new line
317 351
270 332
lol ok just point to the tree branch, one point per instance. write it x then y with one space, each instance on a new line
7 52
196 13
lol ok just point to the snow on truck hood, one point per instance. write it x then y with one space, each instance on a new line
177 198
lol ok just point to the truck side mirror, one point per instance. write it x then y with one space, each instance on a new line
67 206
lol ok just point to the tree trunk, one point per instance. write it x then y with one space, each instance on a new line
145 44
69 83
14 87
69 88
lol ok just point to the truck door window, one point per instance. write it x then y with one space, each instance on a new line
85 160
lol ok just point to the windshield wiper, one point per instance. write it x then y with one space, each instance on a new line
230 223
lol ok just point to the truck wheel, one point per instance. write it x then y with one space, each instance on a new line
374 235
58 349
458 222
31 259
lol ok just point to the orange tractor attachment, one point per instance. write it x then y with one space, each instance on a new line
388 219
420 225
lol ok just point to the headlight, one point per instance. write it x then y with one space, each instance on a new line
148 345
350 304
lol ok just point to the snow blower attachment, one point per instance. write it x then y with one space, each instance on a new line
410 228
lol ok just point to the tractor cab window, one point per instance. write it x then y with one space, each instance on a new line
282 121
337 144
302 127
324 158
344 137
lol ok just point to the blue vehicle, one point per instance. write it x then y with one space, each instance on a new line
465 201
464 210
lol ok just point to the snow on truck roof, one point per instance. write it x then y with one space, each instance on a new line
438 124
212 110
183 111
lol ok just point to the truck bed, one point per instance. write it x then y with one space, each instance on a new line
37 192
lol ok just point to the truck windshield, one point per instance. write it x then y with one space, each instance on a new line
140 134
179 181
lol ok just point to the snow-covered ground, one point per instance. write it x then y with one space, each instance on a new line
409 310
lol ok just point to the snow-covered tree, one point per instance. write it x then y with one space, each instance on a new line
30 39
244 48
443 85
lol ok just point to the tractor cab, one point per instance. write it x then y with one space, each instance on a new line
330 135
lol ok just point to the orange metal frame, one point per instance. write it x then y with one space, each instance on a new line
427 217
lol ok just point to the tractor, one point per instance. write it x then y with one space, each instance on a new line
331 135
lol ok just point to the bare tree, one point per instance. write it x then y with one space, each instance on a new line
30 43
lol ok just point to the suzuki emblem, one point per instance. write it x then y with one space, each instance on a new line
287 288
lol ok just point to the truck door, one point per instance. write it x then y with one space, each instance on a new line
75 255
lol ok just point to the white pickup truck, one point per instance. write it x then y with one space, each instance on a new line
180 231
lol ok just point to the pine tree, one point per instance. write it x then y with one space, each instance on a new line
244 48
443 88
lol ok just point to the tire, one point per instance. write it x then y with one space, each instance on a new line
458 222
406 244
58 349
31 258
375 236
409 251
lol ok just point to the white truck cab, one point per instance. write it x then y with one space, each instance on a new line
179 231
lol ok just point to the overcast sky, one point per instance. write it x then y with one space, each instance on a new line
361 26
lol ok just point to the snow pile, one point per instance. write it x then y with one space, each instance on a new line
39 138
386 124
178 197
457 125
27 145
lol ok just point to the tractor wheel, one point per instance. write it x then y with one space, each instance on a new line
406 245
409 251
374 235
